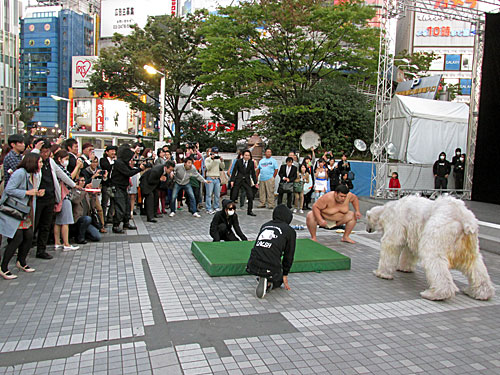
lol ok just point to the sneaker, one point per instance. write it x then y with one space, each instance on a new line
172 214
260 292
70 248
196 214
58 247
301 211
212 212
294 210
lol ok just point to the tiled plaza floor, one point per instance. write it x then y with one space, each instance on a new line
141 304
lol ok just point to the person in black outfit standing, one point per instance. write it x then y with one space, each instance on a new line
221 227
276 239
150 181
106 164
71 145
120 179
458 172
441 170
288 174
243 176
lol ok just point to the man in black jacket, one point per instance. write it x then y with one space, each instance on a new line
276 239
243 176
221 227
441 170
288 174
120 179
150 182
106 164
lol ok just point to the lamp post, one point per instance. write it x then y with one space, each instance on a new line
152 70
68 101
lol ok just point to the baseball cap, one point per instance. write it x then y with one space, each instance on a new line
215 149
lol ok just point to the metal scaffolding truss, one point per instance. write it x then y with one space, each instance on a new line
450 9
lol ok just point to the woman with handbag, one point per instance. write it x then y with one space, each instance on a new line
64 215
298 188
17 210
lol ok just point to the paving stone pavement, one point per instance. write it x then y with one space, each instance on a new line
141 304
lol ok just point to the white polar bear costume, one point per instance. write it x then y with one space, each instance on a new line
441 234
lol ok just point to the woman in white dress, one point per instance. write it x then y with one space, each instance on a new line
321 178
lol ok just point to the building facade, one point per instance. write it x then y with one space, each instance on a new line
50 36
9 65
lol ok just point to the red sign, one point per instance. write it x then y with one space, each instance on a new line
174 7
212 126
454 3
83 67
99 115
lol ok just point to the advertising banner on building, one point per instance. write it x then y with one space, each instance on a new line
99 115
452 62
82 69
465 86
437 31
117 16
425 87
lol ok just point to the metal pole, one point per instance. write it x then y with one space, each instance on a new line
162 108
68 103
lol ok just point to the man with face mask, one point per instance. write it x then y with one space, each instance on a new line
272 255
441 170
221 228
458 172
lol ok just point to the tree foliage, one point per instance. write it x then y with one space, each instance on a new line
417 63
333 109
171 45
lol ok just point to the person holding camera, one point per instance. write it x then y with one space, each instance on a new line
123 169
214 165
150 182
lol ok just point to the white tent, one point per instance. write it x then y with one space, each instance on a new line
422 128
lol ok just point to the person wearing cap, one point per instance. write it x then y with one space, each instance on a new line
106 164
214 165
14 157
221 227
272 254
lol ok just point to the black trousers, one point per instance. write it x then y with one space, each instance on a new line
274 276
225 234
459 180
151 204
122 207
22 240
440 182
44 215
308 198
248 189
289 199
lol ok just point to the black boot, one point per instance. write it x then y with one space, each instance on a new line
118 230
129 226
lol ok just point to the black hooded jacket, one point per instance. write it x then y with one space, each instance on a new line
229 221
276 239
120 176
441 167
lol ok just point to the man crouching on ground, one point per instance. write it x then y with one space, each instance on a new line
276 239
332 209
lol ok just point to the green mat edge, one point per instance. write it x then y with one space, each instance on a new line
239 269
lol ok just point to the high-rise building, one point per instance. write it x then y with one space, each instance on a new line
9 65
50 37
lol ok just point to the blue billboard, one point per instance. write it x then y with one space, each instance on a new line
465 86
452 62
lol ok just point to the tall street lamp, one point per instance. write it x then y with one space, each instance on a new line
152 70
68 101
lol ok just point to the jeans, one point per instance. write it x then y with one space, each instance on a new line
188 189
214 188
85 229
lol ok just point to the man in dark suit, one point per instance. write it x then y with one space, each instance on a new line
243 176
288 174
150 181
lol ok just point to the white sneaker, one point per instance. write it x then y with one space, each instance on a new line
196 214
172 214
294 210
70 248
301 211
58 247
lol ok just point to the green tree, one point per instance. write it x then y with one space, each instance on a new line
26 113
171 45
333 109
274 52
417 63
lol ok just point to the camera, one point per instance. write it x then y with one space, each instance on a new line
148 163
216 157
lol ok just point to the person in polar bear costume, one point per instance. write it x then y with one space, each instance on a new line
441 234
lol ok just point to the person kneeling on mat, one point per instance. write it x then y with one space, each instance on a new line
276 239
223 223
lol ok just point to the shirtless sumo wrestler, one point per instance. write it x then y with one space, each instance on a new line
332 209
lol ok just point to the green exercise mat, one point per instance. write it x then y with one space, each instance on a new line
230 258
